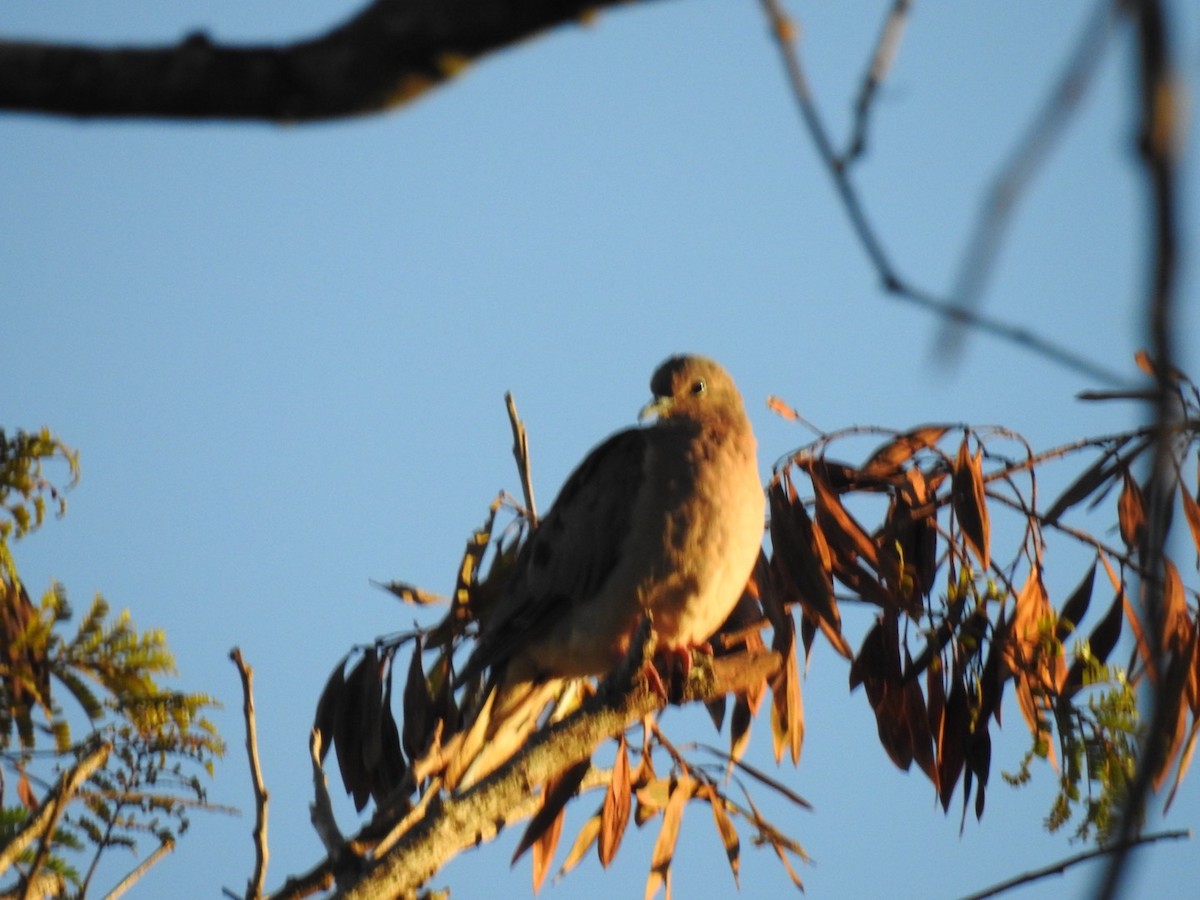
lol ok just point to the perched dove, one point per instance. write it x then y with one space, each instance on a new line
665 520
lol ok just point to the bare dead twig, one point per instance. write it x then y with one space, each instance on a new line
146 864
521 455
949 310
877 70
254 888
1030 152
1062 865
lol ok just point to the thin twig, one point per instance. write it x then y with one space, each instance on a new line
1157 144
1062 865
893 283
143 867
41 824
1030 152
521 454
254 888
877 71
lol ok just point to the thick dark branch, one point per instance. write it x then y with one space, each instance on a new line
451 826
382 57
1158 141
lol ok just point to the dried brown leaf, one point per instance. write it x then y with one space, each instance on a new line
787 707
614 814
1185 761
556 792
801 564
970 504
725 829
886 461
951 740
543 850
668 835
418 706
327 706
1131 512
1076 606
846 538
587 836
1094 476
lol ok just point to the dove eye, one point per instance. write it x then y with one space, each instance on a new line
698 386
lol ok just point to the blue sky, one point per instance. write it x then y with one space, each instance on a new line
282 353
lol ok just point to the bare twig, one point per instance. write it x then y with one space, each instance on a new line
255 886
1062 865
1031 151
890 277
41 824
877 71
1157 144
142 868
521 455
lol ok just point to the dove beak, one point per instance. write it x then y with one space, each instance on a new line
659 406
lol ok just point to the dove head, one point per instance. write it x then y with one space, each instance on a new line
692 387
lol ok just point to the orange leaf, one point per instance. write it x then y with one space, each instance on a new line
887 460
1131 512
970 504
668 834
543 849
728 834
787 708
614 815
583 842
557 790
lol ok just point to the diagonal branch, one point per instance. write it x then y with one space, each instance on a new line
947 309
380 58
41 825
452 825
1062 865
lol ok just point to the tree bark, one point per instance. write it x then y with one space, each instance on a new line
382 57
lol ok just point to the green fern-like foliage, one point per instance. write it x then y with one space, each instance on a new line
64 694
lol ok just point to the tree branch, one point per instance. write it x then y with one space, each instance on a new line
42 823
453 824
1062 865
950 310
380 58
255 886
1158 137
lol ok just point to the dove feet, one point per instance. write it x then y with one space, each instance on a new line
667 674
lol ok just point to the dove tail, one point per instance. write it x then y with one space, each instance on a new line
508 716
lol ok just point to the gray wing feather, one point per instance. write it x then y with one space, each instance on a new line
573 551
